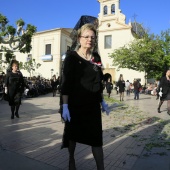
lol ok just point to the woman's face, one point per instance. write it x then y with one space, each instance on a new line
14 67
87 39
168 73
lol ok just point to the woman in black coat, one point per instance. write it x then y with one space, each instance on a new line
121 86
109 87
14 86
82 97
164 88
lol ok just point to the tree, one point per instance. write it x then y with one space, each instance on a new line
29 66
149 54
15 39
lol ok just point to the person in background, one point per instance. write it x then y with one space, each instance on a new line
127 84
54 85
82 97
137 87
109 87
58 85
116 88
14 87
121 86
164 91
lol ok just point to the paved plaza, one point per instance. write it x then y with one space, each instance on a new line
135 136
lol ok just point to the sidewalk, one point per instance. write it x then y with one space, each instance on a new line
135 137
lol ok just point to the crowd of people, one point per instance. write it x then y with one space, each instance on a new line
35 86
135 88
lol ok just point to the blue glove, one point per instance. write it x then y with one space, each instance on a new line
105 107
66 113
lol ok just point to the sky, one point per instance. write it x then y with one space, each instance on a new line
51 14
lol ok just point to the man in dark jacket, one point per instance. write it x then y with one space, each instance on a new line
137 87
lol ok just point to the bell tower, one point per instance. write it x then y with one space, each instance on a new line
110 14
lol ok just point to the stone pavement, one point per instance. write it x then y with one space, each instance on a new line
135 137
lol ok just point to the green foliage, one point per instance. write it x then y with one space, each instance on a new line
9 56
29 66
3 19
20 22
31 29
11 30
24 40
150 54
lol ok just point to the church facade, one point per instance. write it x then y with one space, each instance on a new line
114 33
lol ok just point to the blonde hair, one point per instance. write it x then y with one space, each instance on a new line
86 27
82 29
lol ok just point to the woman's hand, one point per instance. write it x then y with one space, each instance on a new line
66 113
105 107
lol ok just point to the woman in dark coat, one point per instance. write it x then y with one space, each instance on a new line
82 97
54 85
121 86
14 86
164 91
109 87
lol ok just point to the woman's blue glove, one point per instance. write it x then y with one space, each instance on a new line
66 113
105 107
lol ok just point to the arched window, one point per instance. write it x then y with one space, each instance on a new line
105 10
113 8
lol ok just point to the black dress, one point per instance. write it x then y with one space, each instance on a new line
15 85
121 85
165 85
82 82
109 87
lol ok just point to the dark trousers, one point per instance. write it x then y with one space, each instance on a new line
127 92
136 94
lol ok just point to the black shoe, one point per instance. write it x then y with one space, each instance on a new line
17 115
159 110
12 116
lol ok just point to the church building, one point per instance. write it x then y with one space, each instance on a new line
114 33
